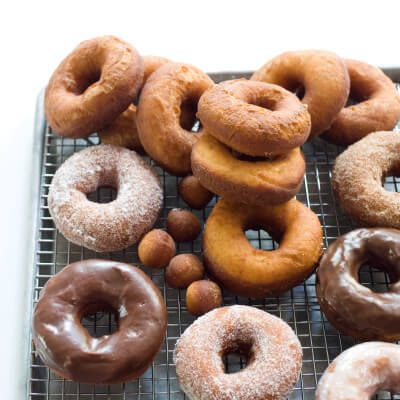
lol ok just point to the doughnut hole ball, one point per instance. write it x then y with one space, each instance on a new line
202 297
183 225
196 195
182 270
156 249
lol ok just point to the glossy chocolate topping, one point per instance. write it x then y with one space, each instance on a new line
351 307
84 287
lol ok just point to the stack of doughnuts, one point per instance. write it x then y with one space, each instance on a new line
247 151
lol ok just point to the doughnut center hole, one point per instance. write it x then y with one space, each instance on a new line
391 183
100 320
374 278
245 157
187 118
299 91
261 239
355 97
237 356
103 195
86 79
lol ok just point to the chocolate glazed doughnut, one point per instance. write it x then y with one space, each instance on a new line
92 86
378 109
254 118
158 120
86 287
323 76
123 131
351 307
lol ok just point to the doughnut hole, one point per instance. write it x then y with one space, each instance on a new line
182 270
100 319
187 119
196 195
202 297
156 249
183 225
260 239
236 356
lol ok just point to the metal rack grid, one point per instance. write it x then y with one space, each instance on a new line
320 341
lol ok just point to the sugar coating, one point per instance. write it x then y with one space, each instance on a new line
112 226
357 180
273 367
361 371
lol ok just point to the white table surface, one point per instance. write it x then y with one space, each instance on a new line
213 35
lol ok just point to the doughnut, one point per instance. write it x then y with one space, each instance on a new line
159 111
245 271
182 270
92 86
86 287
321 74
254 118
156 249
358 176
360 372
195 194
245 180
202 297
183 225
271 347
349 306
112 226
123 131
378 108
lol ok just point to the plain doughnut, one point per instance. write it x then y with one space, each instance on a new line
378 109
323 76
254 118
92 86
357 180
272 350
361 371
112 226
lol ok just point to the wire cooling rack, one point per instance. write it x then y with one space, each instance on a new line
320 341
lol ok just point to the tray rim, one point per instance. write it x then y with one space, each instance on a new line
39 128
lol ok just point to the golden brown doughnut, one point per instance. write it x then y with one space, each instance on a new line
378 109
183 225
254 118
323 76
156 249
202 297
195 194
245 271
182 270
92 86
123 131
158 120
252 182
357 180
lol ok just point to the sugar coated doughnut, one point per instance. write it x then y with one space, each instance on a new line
361 371
254 118
158 119
378 108
245 271
349 306
86 287
250 181
123 131
112 226
203 296
92 86
321 74
272 350
357 180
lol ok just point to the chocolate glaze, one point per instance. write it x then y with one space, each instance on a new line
351 307
86 286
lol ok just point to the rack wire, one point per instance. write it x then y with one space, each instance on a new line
320 341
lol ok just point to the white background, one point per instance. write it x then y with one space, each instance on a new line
213 35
